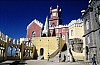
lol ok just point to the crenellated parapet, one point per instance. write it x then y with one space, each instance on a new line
61 26
76 23
35 21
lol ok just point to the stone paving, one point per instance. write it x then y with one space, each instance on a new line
40 62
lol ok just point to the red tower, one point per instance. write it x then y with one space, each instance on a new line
54 20
55 17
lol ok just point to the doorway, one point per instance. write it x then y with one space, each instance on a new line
41 51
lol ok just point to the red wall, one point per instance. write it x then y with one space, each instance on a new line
63 33
53 21
34 27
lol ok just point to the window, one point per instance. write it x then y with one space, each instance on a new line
87 24
54 14
63 29
56 30
53 25
88 39
33 34
71 32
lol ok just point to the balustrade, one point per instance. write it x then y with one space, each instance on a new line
15 46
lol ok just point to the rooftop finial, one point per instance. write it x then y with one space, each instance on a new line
57 6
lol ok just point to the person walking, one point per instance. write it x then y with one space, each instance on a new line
93 60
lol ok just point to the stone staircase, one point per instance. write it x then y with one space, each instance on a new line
63 57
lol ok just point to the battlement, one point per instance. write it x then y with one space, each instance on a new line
61 26
35 21
76 23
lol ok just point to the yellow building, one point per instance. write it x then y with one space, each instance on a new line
45 45
76 31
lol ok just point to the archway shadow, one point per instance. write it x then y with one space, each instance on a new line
71 55
35 55
64 47
64 59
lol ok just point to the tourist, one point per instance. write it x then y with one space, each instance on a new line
93 60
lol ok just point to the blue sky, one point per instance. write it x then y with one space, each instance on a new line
16 15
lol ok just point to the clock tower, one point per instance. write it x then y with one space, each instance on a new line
55 15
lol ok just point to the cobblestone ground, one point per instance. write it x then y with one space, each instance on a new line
40 62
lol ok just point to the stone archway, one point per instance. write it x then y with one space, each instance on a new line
41 51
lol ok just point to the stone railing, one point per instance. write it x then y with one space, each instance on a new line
22 50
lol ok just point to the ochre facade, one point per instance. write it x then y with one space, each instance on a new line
45 45
76 31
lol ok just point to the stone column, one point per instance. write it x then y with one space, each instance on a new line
19 53
84 41
93 28
68 46
22 50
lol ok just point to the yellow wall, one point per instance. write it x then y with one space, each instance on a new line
78 32
49 44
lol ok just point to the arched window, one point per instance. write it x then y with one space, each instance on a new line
33 34
53 24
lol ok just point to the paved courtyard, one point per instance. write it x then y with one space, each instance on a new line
40 62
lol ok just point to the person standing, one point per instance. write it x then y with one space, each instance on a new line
48 56
60 57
